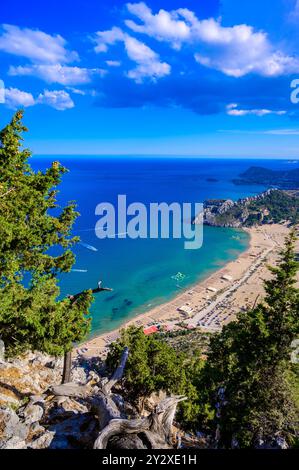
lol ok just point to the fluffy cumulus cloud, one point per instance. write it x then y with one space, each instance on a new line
57 99
235 51
175 58
35 45
148 63
232 109
62 74
15 98
163 26
48 55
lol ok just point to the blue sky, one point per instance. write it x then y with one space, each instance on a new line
181 77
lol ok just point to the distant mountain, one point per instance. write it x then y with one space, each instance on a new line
288 179
271 206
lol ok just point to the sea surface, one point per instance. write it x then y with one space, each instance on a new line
146 272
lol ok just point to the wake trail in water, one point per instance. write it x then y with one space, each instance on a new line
89 247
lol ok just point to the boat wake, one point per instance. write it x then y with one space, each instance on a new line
89 247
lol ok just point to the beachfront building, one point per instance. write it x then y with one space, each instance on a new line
211 289
186 310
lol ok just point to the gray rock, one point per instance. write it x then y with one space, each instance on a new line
43 441
93 376
77 431
61 400
32 413
39 358
8 399
51 440
19 363
11 426
37 398
36 428
15 443
79 375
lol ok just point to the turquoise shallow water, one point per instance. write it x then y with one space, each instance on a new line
147 279
141 271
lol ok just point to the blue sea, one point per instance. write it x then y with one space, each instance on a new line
142 272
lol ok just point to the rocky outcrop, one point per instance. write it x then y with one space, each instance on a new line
215 207
13 432
30 417
37 412
248 211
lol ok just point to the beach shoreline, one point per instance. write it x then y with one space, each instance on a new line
212 302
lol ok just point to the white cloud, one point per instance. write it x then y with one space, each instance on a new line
113 63
76 91
107 38
233 110
163 26
282 132
85 92
15 98
35 45
63 74
57 99
235 50
148 62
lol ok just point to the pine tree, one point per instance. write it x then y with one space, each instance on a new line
35 247
153 366
250 362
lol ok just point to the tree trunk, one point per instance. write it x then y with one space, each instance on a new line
67 365
67 361
155 429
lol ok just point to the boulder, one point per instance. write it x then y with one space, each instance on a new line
10 426
43 441
32 413
14 442
76 432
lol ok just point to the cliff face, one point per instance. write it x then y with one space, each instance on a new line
271 206
214 208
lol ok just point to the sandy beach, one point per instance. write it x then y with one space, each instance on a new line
214 301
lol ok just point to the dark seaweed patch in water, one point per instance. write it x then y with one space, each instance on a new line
110 297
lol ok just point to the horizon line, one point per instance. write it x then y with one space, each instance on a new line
156 155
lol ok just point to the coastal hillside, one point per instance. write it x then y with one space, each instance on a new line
271 206
218 376
258 175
